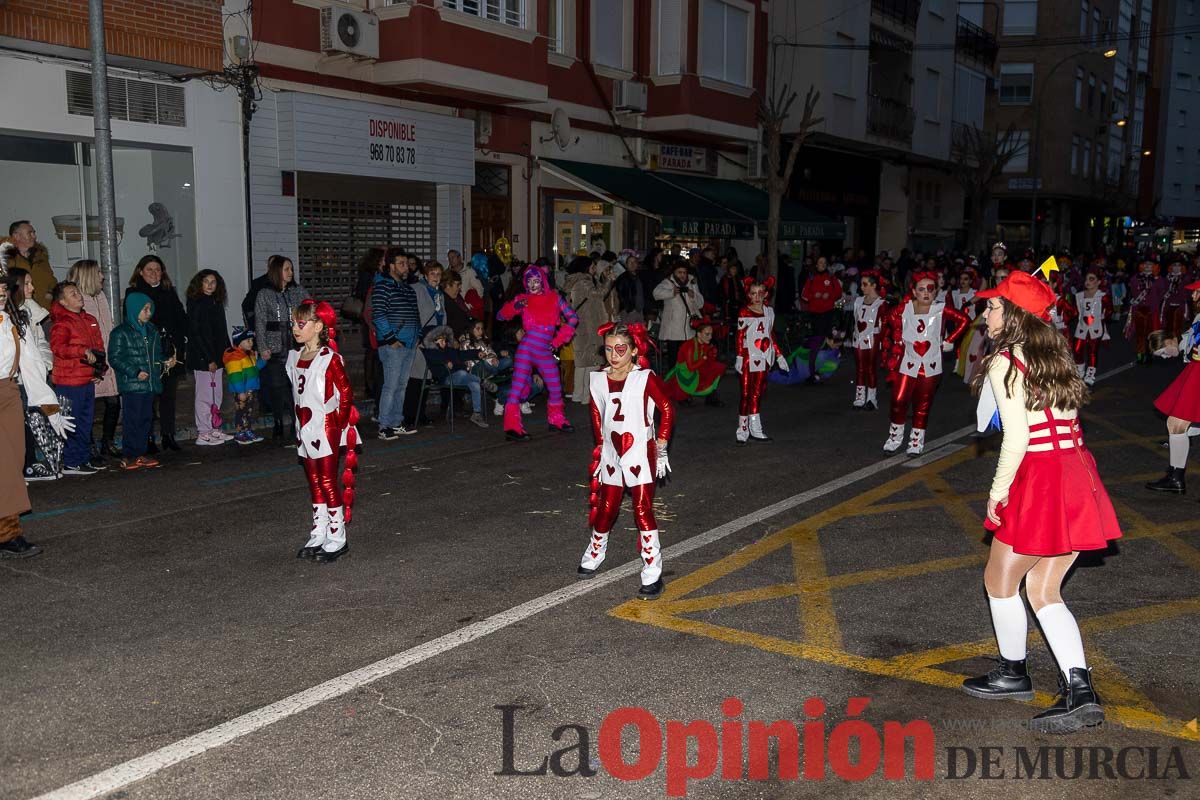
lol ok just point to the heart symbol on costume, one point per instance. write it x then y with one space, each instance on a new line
636 469
862 326
1089 319
763 344
650 560
647 550
973 358
610 469
316 444
646 538
921 347
595 553
909 365
303 415
622 442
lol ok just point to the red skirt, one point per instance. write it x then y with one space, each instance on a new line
1182 398
1056 505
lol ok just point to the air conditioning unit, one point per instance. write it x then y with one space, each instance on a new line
483 125
350 32
629 96
754 158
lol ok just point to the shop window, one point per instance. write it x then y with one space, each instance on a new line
155 206
725 41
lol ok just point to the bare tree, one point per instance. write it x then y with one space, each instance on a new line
772 114
979 156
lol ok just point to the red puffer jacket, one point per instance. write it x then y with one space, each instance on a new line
71 336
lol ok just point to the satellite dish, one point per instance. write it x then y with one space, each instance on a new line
348 31
560 124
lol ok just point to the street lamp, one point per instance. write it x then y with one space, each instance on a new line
1036 156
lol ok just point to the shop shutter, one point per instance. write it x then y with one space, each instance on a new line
339 218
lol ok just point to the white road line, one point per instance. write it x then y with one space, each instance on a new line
929 458
144 766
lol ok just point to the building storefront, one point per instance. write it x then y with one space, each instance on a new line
176 165
331 177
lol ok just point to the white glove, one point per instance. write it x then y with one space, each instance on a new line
661 465
62 424
737 365
782 363
947 347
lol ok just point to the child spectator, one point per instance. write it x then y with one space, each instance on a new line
78 360
241 370
208 338
439 353
136 357
489 362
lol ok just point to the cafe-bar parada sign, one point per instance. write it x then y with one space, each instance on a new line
679 157
352 137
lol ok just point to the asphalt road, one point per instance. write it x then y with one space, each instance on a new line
167 644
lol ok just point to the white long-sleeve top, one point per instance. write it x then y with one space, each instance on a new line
1017 422
28 366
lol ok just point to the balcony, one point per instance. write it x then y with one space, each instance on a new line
901 12
974 43
890 119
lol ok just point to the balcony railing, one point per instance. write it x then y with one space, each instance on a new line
902 12
890 119
973 42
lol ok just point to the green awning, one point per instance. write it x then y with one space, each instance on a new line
694 205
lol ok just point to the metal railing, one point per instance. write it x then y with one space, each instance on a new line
902 12
973 42
890 119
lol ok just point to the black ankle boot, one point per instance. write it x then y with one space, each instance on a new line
1173 481
169 443
1008 681
1076 707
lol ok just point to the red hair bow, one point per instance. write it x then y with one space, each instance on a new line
328 317
637 332
880 279
924 275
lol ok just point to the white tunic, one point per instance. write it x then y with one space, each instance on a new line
963 302
28 367
922 341
757 342
866 322
627 425
308 391
1091 316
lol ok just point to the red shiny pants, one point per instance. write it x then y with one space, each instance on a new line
866 367
753 385
1143 322
1086 351
323 484
917 391
608 505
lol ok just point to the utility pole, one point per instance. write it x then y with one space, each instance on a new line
105 192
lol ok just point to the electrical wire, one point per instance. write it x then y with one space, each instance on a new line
1079 41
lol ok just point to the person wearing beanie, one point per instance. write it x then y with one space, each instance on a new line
242 365
135 354
1046 503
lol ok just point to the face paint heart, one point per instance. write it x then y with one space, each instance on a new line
619 350
921 347
622 442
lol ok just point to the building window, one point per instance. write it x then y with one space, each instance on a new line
509 12
1176 189
608 35
1079 88
670 36
1091 93
556 43
725 41
1020 18
1103 98
1075 155
1196 190
1178 155
970 97
1182 118
1018 145
1086 163
1084 13
842 61
1183 81
1187 44
932 91
937 200
1096 24
1096 161
1016 84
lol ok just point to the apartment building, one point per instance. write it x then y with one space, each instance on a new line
1072 83
176 139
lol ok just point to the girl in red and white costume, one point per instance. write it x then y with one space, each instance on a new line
757 352
628 454
1063 313
915 335
962 297
325 420
1093 308
869 313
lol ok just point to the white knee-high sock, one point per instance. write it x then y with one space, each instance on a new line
1178 443
651 554
1062 634
1011 625
595 551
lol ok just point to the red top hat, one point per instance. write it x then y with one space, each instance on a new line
1026 291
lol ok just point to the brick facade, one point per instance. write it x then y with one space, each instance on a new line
182 32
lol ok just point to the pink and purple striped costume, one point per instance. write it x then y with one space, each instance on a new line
541 310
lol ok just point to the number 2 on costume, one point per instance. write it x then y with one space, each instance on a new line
617 415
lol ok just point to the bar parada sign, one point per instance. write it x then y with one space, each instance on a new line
708 228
